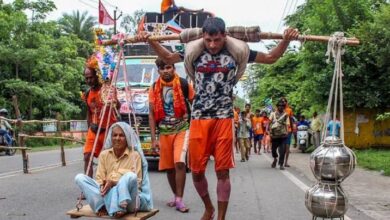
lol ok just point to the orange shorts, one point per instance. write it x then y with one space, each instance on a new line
90 140
173 149
211 137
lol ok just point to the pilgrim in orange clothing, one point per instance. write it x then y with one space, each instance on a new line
95 117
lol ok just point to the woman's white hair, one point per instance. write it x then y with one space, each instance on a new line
131 137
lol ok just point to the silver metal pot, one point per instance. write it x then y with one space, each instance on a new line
332 161
326 200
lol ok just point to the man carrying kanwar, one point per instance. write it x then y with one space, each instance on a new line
122 182
169 110
215 63
95 99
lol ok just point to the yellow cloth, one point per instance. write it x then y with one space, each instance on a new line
112 168
316 124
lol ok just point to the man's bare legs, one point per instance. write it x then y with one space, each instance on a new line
255 146
177 180
180 169
223 192
201 186
171 175
287 147
259 144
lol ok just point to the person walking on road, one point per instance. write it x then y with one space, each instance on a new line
249 115
215 67
258 131
95 115
287 142
244 126
168 112
316 126
278 129
266 141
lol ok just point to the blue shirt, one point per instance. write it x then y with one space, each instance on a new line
330 128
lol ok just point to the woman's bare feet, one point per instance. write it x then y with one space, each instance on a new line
102 211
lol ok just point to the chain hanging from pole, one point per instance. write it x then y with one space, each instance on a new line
332 161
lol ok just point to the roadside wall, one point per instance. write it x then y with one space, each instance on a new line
363 131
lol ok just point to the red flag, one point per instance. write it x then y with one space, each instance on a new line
104 16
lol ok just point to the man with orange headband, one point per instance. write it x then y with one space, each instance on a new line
169 111
95 115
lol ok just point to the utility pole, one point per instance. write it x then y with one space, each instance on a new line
116 18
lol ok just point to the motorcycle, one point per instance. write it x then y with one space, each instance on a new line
303 137
11 151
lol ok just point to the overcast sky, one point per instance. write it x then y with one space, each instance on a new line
265 13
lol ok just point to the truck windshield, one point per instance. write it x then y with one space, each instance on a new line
142 72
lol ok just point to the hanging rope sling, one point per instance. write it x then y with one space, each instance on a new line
332 162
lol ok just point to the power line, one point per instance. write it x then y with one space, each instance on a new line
108 3
292 9
281 19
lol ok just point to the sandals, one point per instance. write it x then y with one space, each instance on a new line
181 207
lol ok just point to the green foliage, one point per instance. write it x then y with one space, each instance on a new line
383 117
374 159
305 77
239 102
38 63
79 24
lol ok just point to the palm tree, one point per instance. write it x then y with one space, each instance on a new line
78 24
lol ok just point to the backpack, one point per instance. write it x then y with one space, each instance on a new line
184 88
278 128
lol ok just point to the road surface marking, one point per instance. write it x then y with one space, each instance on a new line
37 169
297 182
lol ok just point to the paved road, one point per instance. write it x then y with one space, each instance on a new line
39 160
259 192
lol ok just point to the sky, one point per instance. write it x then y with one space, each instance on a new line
264 13
267 14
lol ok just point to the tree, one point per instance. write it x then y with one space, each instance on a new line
366 67
38 64
130 23
79 24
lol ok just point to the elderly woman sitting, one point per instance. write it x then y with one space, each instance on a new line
122 182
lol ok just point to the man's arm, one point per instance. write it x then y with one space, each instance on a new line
166 55
277 52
